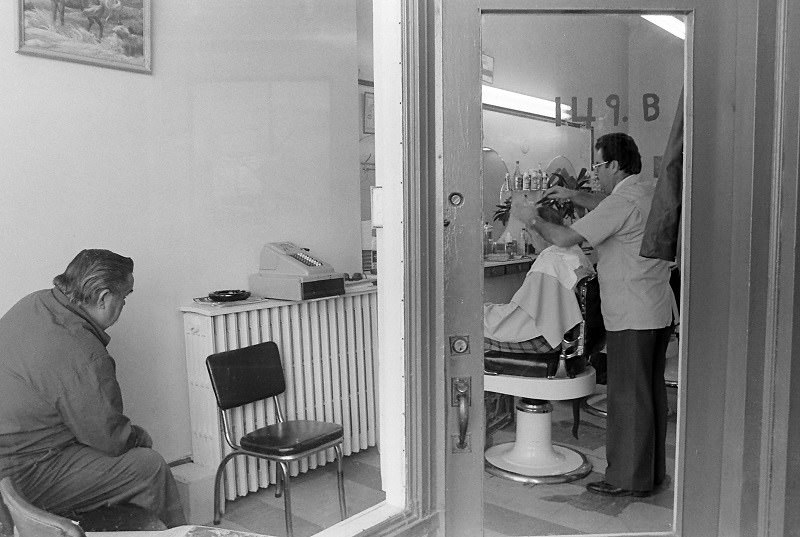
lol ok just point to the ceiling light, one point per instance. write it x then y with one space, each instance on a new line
519 102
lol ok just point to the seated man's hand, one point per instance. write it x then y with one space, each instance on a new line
140 437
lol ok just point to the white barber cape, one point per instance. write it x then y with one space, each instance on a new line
545 305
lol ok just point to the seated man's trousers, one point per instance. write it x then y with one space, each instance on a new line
79 478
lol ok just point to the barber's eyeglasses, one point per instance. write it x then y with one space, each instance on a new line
595 166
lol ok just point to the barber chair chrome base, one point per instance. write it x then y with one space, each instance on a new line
533 457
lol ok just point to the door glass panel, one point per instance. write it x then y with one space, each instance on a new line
553 84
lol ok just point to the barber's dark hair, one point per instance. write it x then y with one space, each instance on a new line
620 147
91 272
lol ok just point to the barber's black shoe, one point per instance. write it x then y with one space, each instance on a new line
607 489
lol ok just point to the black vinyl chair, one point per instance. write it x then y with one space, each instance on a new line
30 521
251 374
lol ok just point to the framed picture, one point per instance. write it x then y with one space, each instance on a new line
108 33
487 68
369 113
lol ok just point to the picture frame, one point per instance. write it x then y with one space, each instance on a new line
368 123
487 69
107 33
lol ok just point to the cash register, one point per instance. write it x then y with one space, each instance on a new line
289 272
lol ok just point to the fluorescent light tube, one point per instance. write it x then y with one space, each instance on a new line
522 103
673 25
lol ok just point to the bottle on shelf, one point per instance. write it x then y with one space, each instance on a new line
527 180
487 238
505 187
517 177
542 178
522 242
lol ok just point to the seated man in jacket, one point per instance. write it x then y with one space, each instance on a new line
544 308
63 437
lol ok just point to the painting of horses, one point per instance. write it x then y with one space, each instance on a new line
108 33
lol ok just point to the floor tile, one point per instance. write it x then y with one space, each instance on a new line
508 522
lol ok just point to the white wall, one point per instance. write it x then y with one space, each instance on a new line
246 132
655 67
595 56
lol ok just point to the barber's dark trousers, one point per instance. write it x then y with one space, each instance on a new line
79 478
636 426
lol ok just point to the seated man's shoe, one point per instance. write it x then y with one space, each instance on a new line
607 489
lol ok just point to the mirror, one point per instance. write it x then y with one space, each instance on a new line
535 143
494 173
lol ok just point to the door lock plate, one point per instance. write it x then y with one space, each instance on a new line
459 345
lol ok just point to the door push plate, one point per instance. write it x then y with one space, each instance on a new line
456 448
458 385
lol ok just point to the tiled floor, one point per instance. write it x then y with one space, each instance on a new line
315 503
510 508
569 509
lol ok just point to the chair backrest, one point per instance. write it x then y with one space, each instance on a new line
589 301
246 375
31 521
590 333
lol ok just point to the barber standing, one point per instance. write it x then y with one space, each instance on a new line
638 308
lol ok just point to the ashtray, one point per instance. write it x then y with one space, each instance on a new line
228 295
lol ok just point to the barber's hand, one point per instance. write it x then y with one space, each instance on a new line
141 437
557 193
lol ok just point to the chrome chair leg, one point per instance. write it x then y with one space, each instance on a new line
279 482
217 479
340 479
287 499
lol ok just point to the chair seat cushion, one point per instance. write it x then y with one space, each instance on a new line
540 365
537 345
291 437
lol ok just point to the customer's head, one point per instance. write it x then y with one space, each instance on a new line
99 281
617 157
550 214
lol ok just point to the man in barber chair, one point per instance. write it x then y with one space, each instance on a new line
638 307
544 307
63 437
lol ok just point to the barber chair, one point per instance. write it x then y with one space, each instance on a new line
536 379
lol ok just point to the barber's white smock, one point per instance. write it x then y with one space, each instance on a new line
545 305
634 290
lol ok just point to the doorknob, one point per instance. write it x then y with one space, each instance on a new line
460 390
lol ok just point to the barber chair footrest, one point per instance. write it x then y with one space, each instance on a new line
562 465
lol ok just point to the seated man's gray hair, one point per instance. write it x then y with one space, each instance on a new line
92 271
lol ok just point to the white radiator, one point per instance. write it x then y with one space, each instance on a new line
328 347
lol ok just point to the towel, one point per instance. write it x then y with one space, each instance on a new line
545 305
564 264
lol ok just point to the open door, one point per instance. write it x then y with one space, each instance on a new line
724 141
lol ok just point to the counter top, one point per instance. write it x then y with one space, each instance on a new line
255 303
492 269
